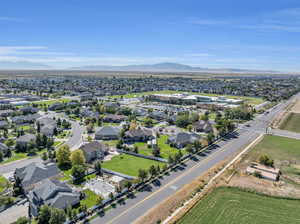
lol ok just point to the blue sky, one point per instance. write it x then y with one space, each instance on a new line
256 34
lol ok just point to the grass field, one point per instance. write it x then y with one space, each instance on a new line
3 183
128 164
291 123
280 149
165 149
50 102
249 100
234 206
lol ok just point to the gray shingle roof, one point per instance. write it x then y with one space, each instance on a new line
108 131
36 172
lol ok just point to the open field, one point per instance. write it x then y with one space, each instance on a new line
296 107
291 122
128 164
165 149
249 100
231 205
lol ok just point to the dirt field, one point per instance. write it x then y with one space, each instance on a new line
296 107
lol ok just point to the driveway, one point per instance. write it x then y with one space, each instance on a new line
11 214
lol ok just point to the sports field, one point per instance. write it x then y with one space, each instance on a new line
291 123
234 206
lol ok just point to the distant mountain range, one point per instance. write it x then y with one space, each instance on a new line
22 65
160 67
165 67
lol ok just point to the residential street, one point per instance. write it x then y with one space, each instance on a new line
144 201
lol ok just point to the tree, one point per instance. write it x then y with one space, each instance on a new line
1 156
22 220
63 156
77 157
189 127
156 151
197 145
149 122
135 149
44 214
152 171
98 168
265 160
182 121
170 160
127 184
58 216
189 148
78 172
44 156
111 196
143 174
100 200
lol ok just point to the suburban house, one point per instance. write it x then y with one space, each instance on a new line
29 110
158 115
107 133
138 135
52 193
182 139
114 118
33 173
4 124
24 140
94 151
30 118
266 172
56 106
203 126
48 125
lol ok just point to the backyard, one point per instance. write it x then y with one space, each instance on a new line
128 164
231 205
165 149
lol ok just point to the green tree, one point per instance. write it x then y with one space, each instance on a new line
44 156
22 220
78 172
63 156
98 168
44 214
143 174
58 216
77 157
152 171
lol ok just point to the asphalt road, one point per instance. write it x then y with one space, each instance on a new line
158 192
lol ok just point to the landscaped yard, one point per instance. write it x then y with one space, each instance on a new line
234 206
165 149
91 198
128 164
15 156
291 123
279 149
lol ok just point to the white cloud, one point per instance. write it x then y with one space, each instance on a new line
4 50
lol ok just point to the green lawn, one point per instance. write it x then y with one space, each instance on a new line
234 206
15 156
50 102
249 100
26 127
3 183
128 164
56 143
112 143
165 149
291 123
279 149
90 200
20 155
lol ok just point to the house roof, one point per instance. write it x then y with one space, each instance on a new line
108 131
94 146
139 132
3 147
53 193
204 125
26 138
36 172
184 138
